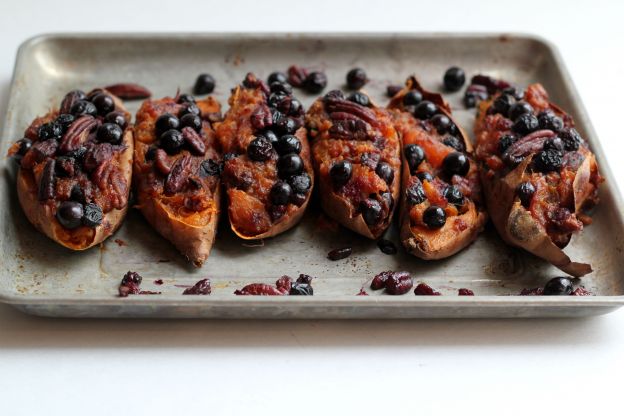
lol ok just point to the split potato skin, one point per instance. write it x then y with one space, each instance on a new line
187 215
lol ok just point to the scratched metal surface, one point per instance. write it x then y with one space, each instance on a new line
40 277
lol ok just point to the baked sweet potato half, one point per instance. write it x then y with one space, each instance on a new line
177 164
267 170
441 205
356 154
75 169
538 174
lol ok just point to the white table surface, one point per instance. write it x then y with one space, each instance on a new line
105 367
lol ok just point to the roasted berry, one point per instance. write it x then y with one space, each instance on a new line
549 121
340 172
289 165
571 139
424 289
455 143
554 143
166 122
69 214
82 108
413 97
505 141
131 278
300 183
441 123
425 110
525 192
64 120
286 125
272 137
280 193
92 215
371 211
502 104
434 217
424 176
359 98
171 141
454 196
204 84
104 103
456 163
281 88
301 289
392 90
109 133
186 99
414 155
189 109
288 144
399 283
50 130
548 160
315 82
385 172
454 78
558 286
518 109
259 149
277 77
116 117
525 124
415 194
356 78
191 120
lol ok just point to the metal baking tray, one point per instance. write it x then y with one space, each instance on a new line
40 277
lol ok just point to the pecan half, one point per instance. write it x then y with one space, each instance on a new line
97 155
528 144
334 104
69 100
77 133
194 141
161 162
47 182
110 180
127 91
297 75
178 176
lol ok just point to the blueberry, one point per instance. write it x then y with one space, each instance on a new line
456 163
186 99
454 78
315 82
171 141
166 122
359 98
434 217
204 84
454 196
116 117
69 214
151 153
415 194
340 172
288 144
505 141
104 103
441 123
554 143
286 125
413 97
558 286
301 289
518 95
571 139
549 121
280 193
289 165
298 198
425 110
259 149
77 194
356 78
65 120
424 176
277 77
385 172
65 166
110 133
525 124
276 98
525 191
281 88
92 215
455 143
470 99
334 95
300 183
83 108
191 120
414 155
371 211
548 160
190 109
272 137
518 109
24 146
296 108
50 130
502 104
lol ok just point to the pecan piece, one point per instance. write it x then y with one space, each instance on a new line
530 143
39 152
97 155
339 105
194 141
78 133
47 182
127 91
178 176
161 162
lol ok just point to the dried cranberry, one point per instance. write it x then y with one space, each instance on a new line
399 283
379 281
339 253
424 289
202 287
465 292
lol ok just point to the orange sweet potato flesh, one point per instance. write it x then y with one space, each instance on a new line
463 224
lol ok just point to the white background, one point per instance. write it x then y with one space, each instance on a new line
62 367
